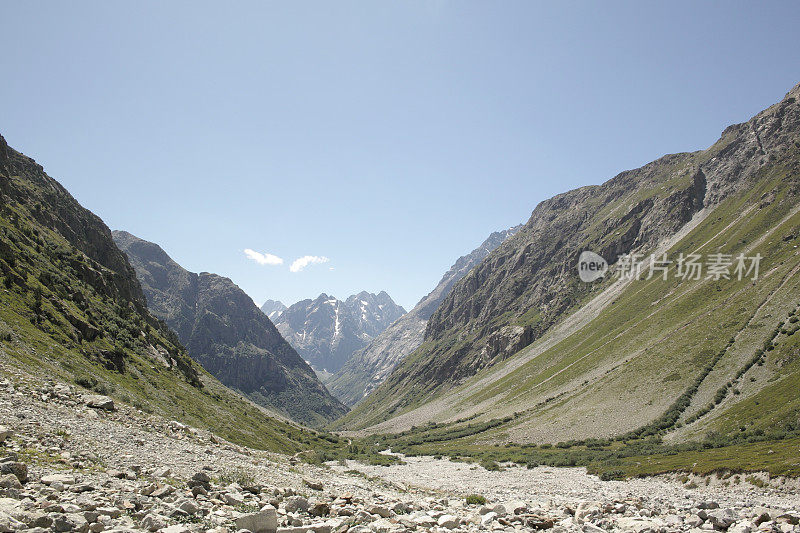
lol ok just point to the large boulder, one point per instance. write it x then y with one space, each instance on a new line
98 401
14 467
264 521
723 518
296 503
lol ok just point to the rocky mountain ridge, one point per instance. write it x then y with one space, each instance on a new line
228 335
72 309
327 331
371 365
521 330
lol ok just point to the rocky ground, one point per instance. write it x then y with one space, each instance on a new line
76 463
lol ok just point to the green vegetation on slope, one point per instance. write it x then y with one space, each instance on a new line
653 357
70 308
229 336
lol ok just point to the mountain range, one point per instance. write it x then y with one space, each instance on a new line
371 365
524 351
228 335
327 331
71 308
689 339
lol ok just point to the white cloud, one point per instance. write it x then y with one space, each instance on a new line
301 262
263 259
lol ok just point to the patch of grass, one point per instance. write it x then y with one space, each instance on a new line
475 499
490 465
242 477
756 482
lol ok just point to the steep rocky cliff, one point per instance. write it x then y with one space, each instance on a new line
530 283
71 308
228 335
327 332
370 365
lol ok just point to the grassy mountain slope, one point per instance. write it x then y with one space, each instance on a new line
71 307
228 335
523 342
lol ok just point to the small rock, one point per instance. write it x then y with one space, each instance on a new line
424 521
162 472
166 490
709 504
154 522
315 528
9 523
64 479
10 481
296 503
188 507
723 518
70 522
447 521
313 484
177 528
380 510
319 509
14 467
488 518
741 527
233 498
788 518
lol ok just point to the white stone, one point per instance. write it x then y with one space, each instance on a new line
264 521
448 521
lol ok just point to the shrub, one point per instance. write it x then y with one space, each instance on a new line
475 499
86 382
5 332
611 475
490 465
756 481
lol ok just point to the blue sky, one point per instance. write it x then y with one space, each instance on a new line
387 137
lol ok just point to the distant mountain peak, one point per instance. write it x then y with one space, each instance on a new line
273 309
326 331
370 365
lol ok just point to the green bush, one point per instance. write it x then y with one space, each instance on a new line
611 475
86 382
490 465
5 332
475 499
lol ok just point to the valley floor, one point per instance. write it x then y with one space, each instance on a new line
89 469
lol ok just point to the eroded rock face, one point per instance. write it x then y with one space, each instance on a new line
371 365
228 335
530 280
327 331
